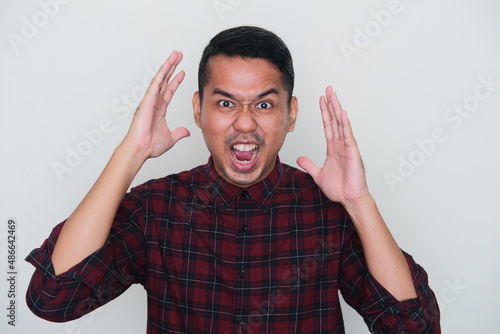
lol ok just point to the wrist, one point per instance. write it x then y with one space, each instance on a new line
359 203
363 210
131 152
130 157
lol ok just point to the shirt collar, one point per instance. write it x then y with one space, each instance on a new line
260 193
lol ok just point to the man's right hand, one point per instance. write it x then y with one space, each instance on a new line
88 227
149 134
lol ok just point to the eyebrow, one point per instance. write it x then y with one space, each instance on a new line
218 91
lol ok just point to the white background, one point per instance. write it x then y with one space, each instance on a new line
73 72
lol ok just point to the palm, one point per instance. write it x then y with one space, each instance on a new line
149 131
342 176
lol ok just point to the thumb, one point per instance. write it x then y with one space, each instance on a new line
309 166
180 133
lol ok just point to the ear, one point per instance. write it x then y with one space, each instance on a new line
197 108
294 110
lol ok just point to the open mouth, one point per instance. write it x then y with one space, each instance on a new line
244 153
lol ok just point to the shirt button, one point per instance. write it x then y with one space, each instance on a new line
385 329
244 228
242 273
240 321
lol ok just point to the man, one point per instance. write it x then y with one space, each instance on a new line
243 244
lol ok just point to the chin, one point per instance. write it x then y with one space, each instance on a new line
242 179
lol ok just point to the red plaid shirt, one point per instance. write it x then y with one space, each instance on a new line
215 258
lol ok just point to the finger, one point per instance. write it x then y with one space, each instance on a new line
158 79
346 124
180 133
334 112
334 104
309 166
327 120
172 87
173 65
337 133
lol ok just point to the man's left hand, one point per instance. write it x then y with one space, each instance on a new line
342 177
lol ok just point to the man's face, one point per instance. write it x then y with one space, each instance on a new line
244 117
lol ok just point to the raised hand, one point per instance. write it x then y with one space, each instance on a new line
87 229
342 179
149 133
342 176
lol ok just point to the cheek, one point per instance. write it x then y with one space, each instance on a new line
278 126
214 131
210 123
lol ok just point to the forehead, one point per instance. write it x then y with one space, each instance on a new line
242 74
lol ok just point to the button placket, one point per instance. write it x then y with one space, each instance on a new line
243 212
244 228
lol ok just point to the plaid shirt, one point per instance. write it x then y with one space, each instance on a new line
215 258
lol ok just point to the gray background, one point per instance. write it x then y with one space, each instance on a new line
77 68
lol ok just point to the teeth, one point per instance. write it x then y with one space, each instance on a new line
245 147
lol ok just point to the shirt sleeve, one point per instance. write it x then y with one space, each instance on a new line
96 280
381 311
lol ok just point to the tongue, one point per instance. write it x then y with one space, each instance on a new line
243 155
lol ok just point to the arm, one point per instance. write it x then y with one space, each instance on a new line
342 179
88 227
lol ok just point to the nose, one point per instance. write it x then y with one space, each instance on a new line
245 121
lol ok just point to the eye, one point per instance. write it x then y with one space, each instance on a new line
226 104
264 105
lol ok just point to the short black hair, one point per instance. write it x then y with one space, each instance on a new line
249 42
